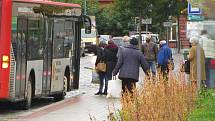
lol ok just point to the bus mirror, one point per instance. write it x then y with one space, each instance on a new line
87 30
87 24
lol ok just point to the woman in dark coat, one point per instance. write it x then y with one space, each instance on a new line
110 53
100 57
129 60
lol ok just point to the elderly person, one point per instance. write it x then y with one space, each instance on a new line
196 53
129 60
164 56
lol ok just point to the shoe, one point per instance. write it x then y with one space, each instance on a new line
104 93
98 93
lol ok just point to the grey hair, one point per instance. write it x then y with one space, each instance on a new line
194 40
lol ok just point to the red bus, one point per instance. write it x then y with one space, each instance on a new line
39 49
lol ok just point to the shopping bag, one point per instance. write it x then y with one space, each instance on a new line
95 77
114 88
101 67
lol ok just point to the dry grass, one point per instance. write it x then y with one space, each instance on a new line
159 100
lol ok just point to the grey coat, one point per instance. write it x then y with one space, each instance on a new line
129 60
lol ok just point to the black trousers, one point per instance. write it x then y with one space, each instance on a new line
128 84
164 71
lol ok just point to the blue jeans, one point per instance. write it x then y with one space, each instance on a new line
152 66
103 80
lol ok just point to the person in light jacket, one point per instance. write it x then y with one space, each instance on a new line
192 57
129 60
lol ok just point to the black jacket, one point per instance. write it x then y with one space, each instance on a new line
110 57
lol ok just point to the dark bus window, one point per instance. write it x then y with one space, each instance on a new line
58 38
34 41
14 35
69 38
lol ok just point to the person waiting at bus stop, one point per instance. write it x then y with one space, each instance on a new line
100 58
110 58
195 78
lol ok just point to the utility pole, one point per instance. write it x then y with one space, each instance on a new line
140 37
85 7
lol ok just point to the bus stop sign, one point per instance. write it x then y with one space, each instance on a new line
193 10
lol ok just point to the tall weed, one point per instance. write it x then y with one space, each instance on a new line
159 99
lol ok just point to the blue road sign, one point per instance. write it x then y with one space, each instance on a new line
193 10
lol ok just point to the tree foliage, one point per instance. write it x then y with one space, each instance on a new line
119 18
158 10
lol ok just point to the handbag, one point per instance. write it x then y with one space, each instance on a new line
187 66
101 67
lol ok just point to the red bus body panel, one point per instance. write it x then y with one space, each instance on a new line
5 37
5 43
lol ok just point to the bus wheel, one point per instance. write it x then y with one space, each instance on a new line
28 98
65 84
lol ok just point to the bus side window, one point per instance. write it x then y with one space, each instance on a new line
35 40
58 40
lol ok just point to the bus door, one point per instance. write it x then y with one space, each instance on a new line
74 24
70 30
21 56
47 56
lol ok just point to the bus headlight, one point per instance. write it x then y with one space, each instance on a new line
5 65
5 58
5 61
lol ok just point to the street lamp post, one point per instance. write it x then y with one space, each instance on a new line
140 37
85 7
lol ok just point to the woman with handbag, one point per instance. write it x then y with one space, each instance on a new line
110 57
100 66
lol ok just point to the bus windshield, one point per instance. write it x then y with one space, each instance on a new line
91 35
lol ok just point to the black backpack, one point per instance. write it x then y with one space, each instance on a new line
187 66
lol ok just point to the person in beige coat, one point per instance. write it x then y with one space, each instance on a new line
192 57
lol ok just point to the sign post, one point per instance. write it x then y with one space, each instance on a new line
167 24
194 14
146 22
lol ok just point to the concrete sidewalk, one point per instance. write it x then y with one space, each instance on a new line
78 108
